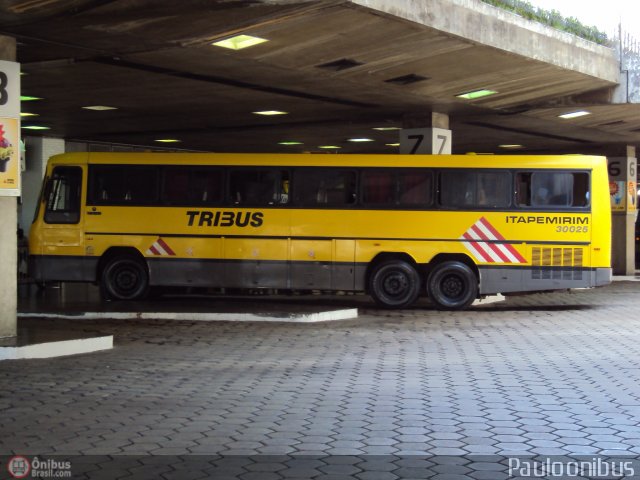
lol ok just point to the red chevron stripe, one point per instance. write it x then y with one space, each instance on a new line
493 247
489 227
515 253
485 256
165 247
508 246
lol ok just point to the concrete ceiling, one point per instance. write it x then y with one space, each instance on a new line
153 60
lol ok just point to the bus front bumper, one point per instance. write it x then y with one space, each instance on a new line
62 268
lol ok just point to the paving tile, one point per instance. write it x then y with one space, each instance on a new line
575 449
477 433
574 441
507 431
508 448
618 446
413 473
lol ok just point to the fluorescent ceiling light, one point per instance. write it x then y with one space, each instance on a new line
290 143
167 140
270 112
239 42
392 144
361 140
386 129
328 147
27 98
579 113
35 127
476 94
99 108
27 114
513 146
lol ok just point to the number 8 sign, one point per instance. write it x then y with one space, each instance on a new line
9 128
9 89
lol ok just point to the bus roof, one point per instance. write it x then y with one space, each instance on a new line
330 160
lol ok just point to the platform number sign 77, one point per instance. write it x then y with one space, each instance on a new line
439 145
425 141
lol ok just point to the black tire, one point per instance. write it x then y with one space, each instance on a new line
452 285
394 284
124 277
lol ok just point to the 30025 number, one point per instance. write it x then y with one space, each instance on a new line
571 229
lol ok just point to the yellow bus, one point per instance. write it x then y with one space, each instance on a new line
451 227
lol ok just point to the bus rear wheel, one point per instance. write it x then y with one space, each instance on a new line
452 285
124 277
394 284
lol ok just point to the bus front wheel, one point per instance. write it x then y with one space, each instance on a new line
124 277
452 285
394 284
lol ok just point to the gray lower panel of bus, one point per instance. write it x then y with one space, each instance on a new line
213 273
327 276
307 275
519 279
252 274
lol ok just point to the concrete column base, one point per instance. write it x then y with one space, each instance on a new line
8 267
623 259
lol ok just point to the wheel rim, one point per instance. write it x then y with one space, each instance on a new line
125 280
395 285
452 286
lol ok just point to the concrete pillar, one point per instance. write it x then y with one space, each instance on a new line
426 134
623 188
38 151
8 238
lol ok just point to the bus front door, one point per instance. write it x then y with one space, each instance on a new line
61 231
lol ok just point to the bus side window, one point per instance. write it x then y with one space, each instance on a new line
457 189
475 189
580 189
189 185
523 189
259 187
123 184
415 188
552 189
494 189
141 185
206 186
378 187
105 185
175 188
63 196
324 187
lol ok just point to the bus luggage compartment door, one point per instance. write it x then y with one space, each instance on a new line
311 264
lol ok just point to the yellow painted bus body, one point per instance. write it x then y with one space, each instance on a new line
289 247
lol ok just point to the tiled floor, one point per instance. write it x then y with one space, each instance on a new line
549 374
